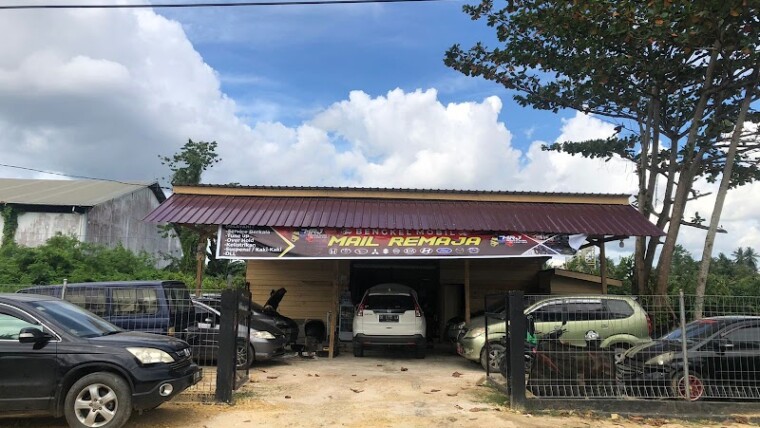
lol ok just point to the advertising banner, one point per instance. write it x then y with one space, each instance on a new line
254 242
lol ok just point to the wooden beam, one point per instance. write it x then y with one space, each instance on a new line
336 308
603 266
467 290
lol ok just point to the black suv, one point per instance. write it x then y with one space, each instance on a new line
57 357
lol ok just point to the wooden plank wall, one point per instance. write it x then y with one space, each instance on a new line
310 285
491 276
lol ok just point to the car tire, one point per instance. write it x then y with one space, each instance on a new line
419 352
98 400
358 351
697 387
496 359
244 356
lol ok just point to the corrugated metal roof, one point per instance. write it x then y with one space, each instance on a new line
84 193
404 214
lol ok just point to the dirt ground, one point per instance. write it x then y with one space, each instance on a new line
386 388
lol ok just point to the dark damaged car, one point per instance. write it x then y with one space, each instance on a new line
56 357
723 355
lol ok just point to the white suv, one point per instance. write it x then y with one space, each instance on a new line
389 314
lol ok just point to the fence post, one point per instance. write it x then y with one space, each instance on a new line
516 367
225 364
682 310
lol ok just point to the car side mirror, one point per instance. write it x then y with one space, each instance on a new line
33 335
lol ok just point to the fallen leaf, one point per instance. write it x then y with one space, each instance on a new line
379 365
403 369
357 390
456 374
353 375
425 392
316 375
247 420
458 406
287 396
309 375
434 390
271 377
452 394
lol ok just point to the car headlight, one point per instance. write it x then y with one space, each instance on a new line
475 332
661 359
261 334
150 355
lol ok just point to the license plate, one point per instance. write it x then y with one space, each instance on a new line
388 318
197 376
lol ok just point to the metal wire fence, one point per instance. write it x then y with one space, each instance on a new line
168 308
651 347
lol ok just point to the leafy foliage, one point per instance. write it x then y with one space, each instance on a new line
187 167
735 276
671 74
65 257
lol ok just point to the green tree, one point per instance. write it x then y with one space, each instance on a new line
670 73
187 167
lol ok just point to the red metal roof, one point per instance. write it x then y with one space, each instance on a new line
404 214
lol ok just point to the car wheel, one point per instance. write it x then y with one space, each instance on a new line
98 400
244 356
696 386
494 358
358 350
419 352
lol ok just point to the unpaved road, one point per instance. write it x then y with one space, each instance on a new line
384 389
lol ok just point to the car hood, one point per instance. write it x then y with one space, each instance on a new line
275 298
494 324
135 338
647 351
263 326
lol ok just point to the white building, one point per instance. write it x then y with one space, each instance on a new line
94 211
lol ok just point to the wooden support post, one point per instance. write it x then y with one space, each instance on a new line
603 265
336 308
200 255
467 290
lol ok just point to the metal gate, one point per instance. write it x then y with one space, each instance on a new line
234 343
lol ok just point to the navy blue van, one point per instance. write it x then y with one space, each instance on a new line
162 307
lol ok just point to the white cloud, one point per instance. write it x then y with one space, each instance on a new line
103 93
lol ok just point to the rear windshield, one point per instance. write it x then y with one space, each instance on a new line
389 301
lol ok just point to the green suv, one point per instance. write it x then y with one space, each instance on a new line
619 320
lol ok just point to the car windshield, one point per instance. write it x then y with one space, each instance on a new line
695 330
76 320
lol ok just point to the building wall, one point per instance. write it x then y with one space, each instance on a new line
310 285
110 223
120 220
492 276
311 291
35 228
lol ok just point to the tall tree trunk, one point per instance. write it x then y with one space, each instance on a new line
685 179
725 182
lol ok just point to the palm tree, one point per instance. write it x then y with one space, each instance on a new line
750 258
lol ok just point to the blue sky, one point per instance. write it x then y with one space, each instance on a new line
340 95
284 63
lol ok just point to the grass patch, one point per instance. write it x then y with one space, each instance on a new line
491 396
